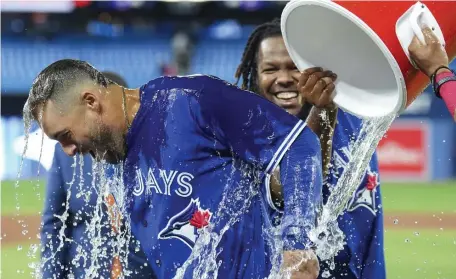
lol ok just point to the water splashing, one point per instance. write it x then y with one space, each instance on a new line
235 202
27 128
91 261
327 235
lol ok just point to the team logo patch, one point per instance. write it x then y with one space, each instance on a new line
185 224
365 196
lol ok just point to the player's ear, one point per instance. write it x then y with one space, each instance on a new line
91 101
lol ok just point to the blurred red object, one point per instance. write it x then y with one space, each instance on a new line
168 70
81 3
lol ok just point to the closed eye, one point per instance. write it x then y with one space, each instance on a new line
64 137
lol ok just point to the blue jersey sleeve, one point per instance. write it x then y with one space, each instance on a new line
263 134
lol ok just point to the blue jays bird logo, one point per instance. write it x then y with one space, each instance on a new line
184 225
365 196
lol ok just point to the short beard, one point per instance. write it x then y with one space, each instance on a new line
111 146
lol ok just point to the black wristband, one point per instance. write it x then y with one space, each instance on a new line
433 76
445 80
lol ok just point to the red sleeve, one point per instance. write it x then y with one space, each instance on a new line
448 92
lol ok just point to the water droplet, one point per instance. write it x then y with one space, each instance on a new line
33 248
326 274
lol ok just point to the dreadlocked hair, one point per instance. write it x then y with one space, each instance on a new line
247 69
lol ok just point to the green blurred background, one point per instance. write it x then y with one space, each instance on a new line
416 252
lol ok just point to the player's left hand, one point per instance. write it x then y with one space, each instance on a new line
300 264
316 87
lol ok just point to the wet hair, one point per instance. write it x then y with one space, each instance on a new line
247 70
116 78
57 82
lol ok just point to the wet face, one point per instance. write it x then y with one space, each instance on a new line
82 130
278 75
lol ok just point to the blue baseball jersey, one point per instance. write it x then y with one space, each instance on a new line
198 154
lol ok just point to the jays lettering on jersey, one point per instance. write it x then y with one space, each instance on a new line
199 151
362 222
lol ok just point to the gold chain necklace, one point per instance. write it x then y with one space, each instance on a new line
124 99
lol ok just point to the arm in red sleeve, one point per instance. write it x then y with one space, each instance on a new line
448 92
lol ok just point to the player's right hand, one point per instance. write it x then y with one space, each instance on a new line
316 87
300 264
430 55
